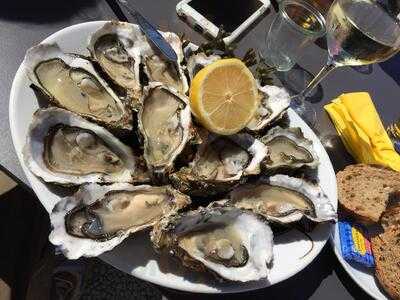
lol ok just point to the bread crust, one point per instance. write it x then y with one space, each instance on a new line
386 250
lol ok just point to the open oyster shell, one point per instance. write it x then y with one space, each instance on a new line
218 240
158 69
63 148
197 61
284 199
164 122
288 149
99 217
274 103
71 82
116 47
221 162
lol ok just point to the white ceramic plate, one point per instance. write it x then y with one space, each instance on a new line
136 256
363 276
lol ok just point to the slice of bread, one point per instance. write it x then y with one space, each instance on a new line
364 190
386 250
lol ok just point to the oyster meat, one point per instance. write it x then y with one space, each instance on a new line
164 122
218 240
71 82
284 199
274 103
116 47
289 149
220 163
66 149
97 218
158 69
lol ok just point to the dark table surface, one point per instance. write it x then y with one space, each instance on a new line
25 23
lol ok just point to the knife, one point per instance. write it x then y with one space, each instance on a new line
152 33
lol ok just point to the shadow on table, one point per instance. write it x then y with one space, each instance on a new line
349 283
336 150
42 11
24 229
296 79
366 70
392 68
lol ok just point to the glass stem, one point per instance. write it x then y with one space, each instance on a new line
330 65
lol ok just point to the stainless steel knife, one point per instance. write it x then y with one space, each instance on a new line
152 33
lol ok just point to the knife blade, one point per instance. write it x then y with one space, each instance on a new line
152 33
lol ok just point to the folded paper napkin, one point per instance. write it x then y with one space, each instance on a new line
362 131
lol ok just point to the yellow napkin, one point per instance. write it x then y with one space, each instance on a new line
361 130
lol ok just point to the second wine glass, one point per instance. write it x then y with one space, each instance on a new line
359 32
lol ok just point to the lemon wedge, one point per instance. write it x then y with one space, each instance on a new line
223 96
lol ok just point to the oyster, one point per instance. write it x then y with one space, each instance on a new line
99 217
66 149
284 199
220 163
289 149
198 61
71 82
164 122
116 47
218 240
158 69
274 103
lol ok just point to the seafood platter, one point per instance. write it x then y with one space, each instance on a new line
117 157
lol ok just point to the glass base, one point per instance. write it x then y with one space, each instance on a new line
304 110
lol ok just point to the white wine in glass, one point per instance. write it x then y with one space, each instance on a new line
359 32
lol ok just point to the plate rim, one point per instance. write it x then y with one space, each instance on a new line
20 77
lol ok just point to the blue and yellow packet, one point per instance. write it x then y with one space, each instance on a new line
354 243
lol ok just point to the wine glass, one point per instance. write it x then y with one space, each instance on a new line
359 32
